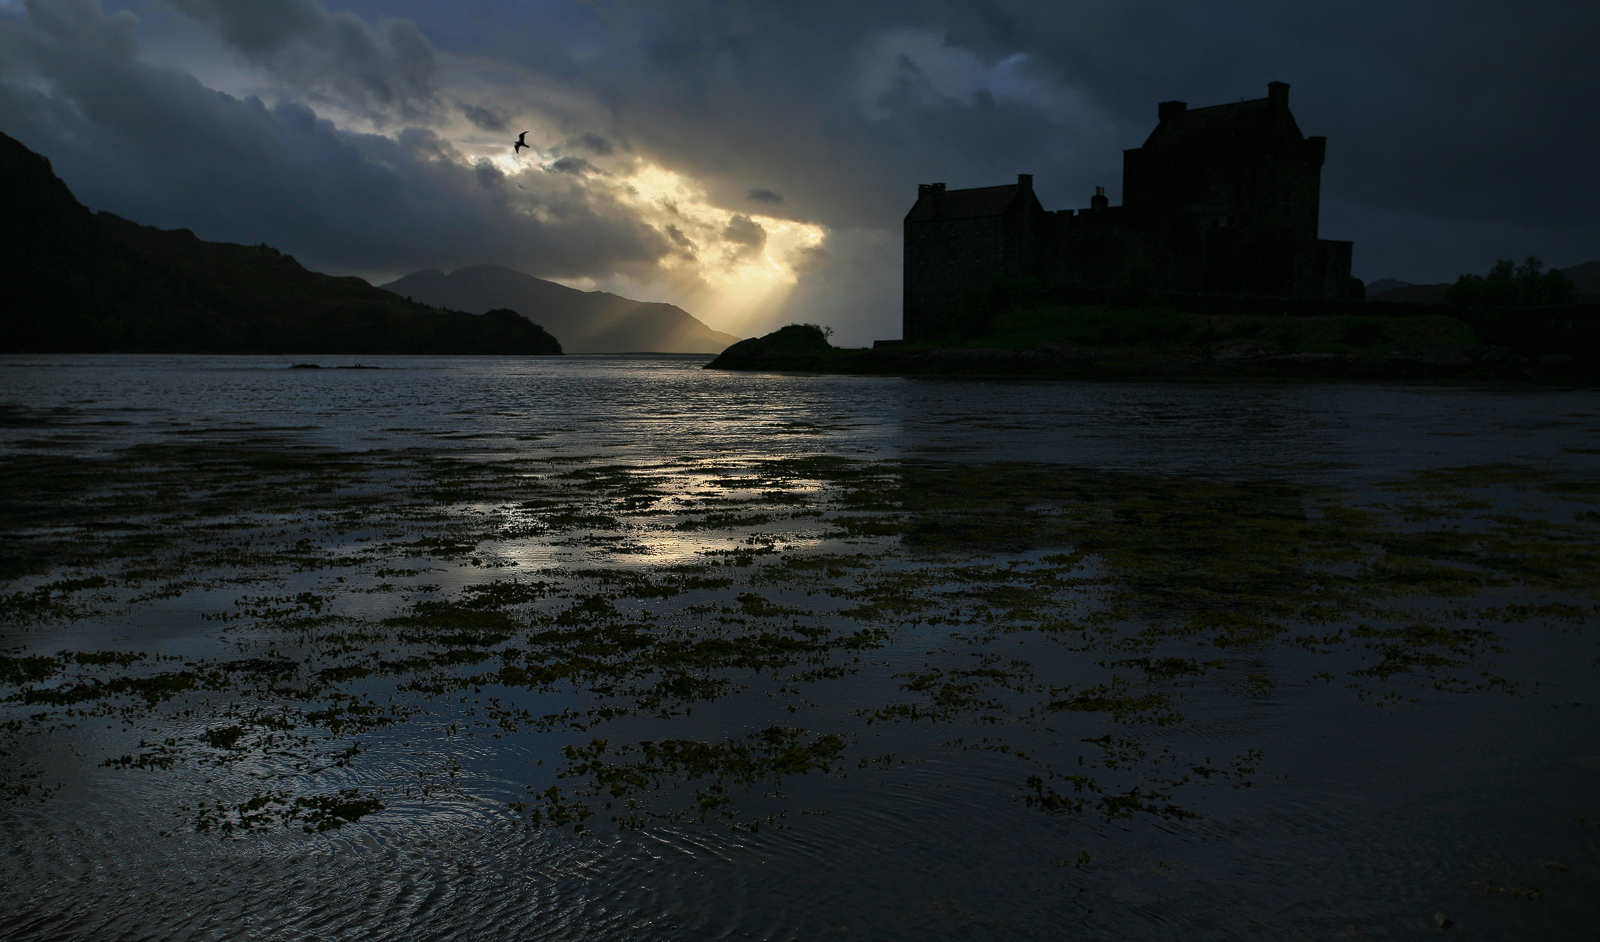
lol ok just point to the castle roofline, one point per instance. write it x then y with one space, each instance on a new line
1181 124
936 202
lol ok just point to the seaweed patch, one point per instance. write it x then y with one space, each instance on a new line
661 638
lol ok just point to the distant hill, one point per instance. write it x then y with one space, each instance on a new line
1385 284
585 321
1585 279
1411 294
80 282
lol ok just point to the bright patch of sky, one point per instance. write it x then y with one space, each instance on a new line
732 269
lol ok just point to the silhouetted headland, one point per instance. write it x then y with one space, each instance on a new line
86 282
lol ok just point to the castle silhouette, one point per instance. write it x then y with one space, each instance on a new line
1219 201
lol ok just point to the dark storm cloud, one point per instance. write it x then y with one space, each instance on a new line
576 166
679 239
591 142
489 176
260 27
809 258
742 230
771 197
384 73
158 147
489 119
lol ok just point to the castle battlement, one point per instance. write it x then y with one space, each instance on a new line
1221 200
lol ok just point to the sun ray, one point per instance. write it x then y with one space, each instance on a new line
728 284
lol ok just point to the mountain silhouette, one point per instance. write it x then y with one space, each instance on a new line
1383 285
1585 278
1411 294
77 281
585 321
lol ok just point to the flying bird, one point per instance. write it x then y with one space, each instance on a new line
522 141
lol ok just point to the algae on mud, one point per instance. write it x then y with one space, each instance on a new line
258 620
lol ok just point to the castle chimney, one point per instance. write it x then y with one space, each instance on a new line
1278 94
1025 180
1099 202
1171 109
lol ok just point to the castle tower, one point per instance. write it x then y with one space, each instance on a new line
958 243
1221 200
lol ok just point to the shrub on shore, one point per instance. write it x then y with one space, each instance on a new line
1511 285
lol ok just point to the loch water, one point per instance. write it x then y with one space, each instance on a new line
936 782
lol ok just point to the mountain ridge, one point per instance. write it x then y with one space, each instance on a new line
585 321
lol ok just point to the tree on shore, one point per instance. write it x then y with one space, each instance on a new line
1511 285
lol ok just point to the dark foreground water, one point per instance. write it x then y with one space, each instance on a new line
616 648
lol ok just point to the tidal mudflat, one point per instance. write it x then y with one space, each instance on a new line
254 683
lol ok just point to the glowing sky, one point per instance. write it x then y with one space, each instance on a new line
751 161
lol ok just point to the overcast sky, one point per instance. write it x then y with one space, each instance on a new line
751 161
